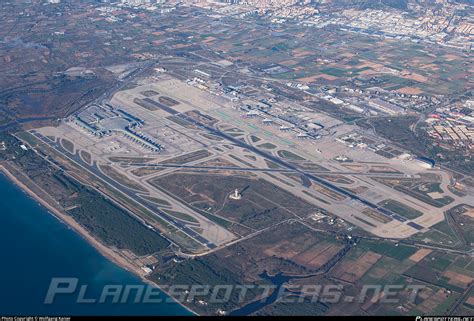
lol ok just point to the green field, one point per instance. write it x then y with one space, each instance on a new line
402 209
289 155
397 251
267 146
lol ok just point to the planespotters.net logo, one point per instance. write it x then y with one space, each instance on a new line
428 318
223 293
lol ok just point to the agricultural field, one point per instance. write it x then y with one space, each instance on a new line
444 278
446 271
290 249
206 143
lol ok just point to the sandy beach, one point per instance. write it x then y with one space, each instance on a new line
111 254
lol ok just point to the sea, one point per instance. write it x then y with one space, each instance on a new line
35 247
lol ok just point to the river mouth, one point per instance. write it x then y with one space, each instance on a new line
279 280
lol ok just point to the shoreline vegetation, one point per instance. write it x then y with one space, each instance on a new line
108 252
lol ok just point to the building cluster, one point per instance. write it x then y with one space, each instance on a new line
265 106
361 103
356 139
303 125
103 121
374 101
442 29
453 126
160 6
285 13
450 24
419 102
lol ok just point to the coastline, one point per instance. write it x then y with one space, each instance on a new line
109 253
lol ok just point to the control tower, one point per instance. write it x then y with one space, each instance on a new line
235 195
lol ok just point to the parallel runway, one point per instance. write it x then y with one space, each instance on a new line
292 167
284 164
127 191
255 169
307 176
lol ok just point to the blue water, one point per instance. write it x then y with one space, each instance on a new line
35 246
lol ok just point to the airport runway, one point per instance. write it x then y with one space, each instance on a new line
284 164
127 191
252 169
294 168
